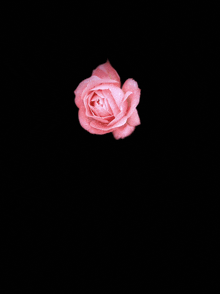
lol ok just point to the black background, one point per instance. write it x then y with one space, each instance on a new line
74 195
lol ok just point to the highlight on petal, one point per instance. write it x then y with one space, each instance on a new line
123 131
134 119
106 70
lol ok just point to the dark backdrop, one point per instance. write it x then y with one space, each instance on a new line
83 191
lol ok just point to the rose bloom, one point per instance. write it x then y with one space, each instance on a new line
104 106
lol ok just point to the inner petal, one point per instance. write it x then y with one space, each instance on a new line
99 93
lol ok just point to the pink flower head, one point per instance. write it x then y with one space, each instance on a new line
104 106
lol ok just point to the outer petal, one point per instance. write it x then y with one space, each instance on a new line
127 94
123 131
106 70
134 98
85 123
78 91
78 101
134 119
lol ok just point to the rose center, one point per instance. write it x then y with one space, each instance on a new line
99 102
96 101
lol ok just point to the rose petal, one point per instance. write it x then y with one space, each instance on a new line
117 94
99 110
97 99
105 120
134 98
85 122
107 107
78 102
99 93
106 70
87 101
123 131
109 126
81 87
104 127
126 95
102 87
78 91
134 119
111 101
120 117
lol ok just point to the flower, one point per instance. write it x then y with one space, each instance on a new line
104 106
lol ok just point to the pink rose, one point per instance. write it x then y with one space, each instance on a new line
104 107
